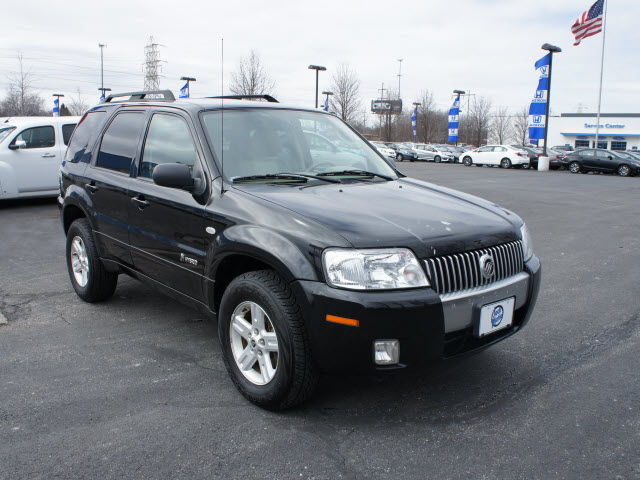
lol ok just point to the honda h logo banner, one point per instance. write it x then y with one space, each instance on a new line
454 113
184 91
538 107
414 118
56 107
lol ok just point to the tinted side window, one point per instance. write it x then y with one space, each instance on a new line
587 153
120 142
84 136
67 130
38 137
168 141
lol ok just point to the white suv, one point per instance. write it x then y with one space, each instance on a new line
31 152
502 155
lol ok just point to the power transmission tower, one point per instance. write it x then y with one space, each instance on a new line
152 66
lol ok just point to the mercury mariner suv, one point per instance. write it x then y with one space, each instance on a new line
283 223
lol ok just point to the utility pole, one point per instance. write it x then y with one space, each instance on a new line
102 45
399 76
152 66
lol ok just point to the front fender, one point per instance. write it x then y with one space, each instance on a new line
269 247
8 184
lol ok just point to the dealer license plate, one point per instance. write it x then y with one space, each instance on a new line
496 316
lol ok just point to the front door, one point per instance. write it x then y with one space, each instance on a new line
37 165
167 224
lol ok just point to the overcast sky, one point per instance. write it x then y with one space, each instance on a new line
487 47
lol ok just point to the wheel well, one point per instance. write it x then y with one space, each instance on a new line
230 268
70 214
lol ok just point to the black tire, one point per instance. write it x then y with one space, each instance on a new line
399 157
624 170
437 159
100 283
467 161
575 167
296 374
525 166
505 163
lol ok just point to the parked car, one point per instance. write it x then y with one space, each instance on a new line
384 150
309 265
455 153
31 151
605 161
502 155
403 152
563 148
433 152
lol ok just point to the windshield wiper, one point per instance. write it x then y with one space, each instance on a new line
361 173
283 176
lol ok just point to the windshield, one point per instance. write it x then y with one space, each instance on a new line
5 131
269 141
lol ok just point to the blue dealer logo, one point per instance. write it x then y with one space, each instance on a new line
497 316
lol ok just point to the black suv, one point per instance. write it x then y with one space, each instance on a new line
312 259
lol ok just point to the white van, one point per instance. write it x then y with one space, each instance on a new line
31 151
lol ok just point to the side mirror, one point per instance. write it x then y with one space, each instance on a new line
610 157
173 175
18 144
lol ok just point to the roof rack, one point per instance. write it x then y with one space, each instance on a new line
141 96
268 98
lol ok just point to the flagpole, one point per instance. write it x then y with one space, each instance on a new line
604 32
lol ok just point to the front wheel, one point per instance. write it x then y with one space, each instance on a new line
624 170
89 278
574 167
467 162
264 342
437 159
399 157
505 163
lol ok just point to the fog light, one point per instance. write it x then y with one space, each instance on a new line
386 352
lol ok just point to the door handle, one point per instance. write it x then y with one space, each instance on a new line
141 202
48 155
91 187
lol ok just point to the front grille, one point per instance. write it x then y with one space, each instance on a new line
451 273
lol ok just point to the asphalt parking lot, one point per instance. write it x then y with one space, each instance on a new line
136 388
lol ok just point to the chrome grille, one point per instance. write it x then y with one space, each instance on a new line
461 271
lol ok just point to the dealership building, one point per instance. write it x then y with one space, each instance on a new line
618 131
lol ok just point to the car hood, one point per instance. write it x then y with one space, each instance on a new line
430 220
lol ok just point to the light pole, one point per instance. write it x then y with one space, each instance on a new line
550 48
188 79
103 90
326 102
57 95
317 68
400 76
102 45
414 119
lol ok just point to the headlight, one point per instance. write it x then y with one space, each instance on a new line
379 269
527 245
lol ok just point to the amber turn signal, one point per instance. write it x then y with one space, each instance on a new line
343 321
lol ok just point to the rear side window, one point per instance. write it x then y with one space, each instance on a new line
120 142
67 130
168 141
38 137
84 136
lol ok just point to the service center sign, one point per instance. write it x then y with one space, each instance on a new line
606 125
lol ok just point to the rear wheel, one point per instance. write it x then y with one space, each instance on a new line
574 167
89 278
624 170
264 342
505 163
467 162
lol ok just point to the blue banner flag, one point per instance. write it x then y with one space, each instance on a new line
454 113
102 98
538 108
326 104
184 91
56 107
414 119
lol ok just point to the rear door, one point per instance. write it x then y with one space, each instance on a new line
167 224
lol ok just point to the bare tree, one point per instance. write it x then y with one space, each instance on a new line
427 117
500 128
21 100
521 126
251 77
479 119
345 85
78 105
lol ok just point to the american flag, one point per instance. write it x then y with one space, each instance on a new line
589 23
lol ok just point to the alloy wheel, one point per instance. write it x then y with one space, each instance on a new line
79 261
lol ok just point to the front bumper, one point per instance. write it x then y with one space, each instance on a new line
430 327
